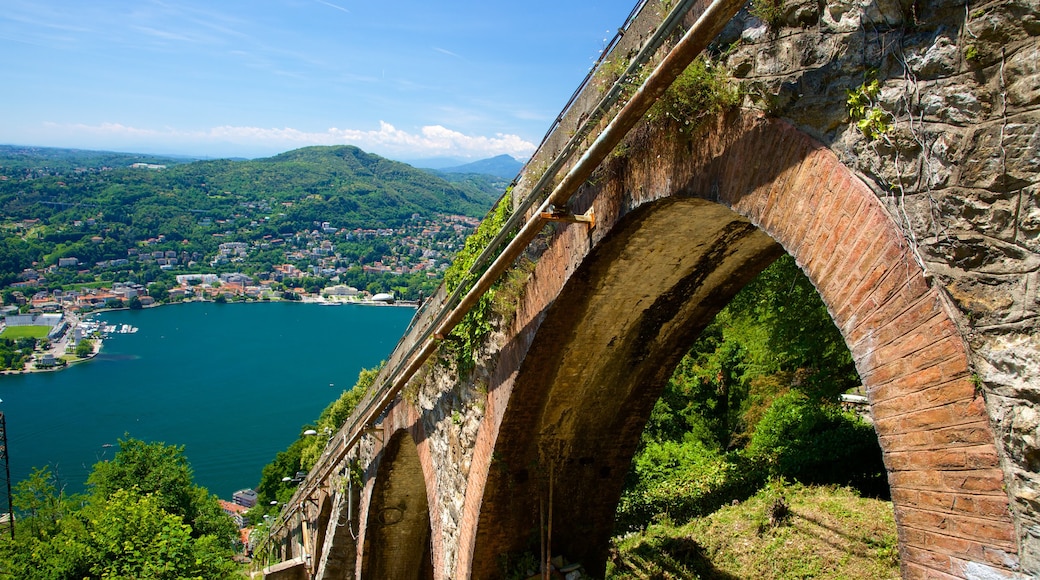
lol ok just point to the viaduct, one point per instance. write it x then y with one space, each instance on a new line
911 203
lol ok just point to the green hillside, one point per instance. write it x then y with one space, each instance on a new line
342 185
377 224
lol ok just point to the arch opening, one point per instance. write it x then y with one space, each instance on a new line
397 542
756 406
604 352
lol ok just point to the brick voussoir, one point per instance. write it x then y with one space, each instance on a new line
968 434
957 459
900 319
942 351
999 533
928 397
949 415
915 571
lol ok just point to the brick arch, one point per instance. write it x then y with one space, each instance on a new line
397 538
337 551
682 225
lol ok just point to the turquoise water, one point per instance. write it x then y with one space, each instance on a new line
232 383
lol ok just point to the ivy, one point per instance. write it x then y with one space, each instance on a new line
869 117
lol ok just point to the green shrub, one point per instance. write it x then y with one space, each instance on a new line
818 444
769 11
683 480
700 91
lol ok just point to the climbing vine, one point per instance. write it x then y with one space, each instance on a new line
475 327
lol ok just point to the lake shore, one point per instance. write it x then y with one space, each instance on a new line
58 348
234 385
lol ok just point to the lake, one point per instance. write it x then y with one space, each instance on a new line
233 383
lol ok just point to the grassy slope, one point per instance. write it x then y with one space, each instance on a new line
830 533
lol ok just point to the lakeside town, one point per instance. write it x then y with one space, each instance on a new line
60 323
325 265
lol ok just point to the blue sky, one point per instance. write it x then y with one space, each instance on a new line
404 79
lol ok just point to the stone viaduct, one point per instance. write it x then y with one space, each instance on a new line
916 218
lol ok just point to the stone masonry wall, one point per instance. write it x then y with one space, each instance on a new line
952 148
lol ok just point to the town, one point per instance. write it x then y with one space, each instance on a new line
324 264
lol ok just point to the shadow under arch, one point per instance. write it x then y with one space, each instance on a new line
682 225
397 541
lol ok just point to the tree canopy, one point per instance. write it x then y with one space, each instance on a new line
142 517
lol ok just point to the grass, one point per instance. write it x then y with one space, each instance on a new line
828 532
16 332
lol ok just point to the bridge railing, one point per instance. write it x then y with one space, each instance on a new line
637 44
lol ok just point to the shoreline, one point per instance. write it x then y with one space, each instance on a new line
99 341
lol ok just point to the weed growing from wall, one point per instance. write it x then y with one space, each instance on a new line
869 117
475 327
701 91
769 11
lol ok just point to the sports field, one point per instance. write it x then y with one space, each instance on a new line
16 332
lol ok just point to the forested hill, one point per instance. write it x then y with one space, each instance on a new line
59 159
342 185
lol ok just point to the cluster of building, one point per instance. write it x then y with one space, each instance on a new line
419 246
64 333
240 503
86 299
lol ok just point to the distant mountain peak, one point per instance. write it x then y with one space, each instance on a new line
504 166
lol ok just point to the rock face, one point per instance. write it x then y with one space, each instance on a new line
951 145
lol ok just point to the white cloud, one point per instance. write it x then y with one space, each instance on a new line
446 51
336 6
430 141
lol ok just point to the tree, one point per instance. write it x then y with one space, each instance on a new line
132 536
142 518
160 469
135 303
36 498
84 348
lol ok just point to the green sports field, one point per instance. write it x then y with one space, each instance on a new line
16 332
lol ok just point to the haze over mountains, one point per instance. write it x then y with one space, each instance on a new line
501 166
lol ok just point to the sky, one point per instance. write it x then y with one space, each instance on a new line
407 79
